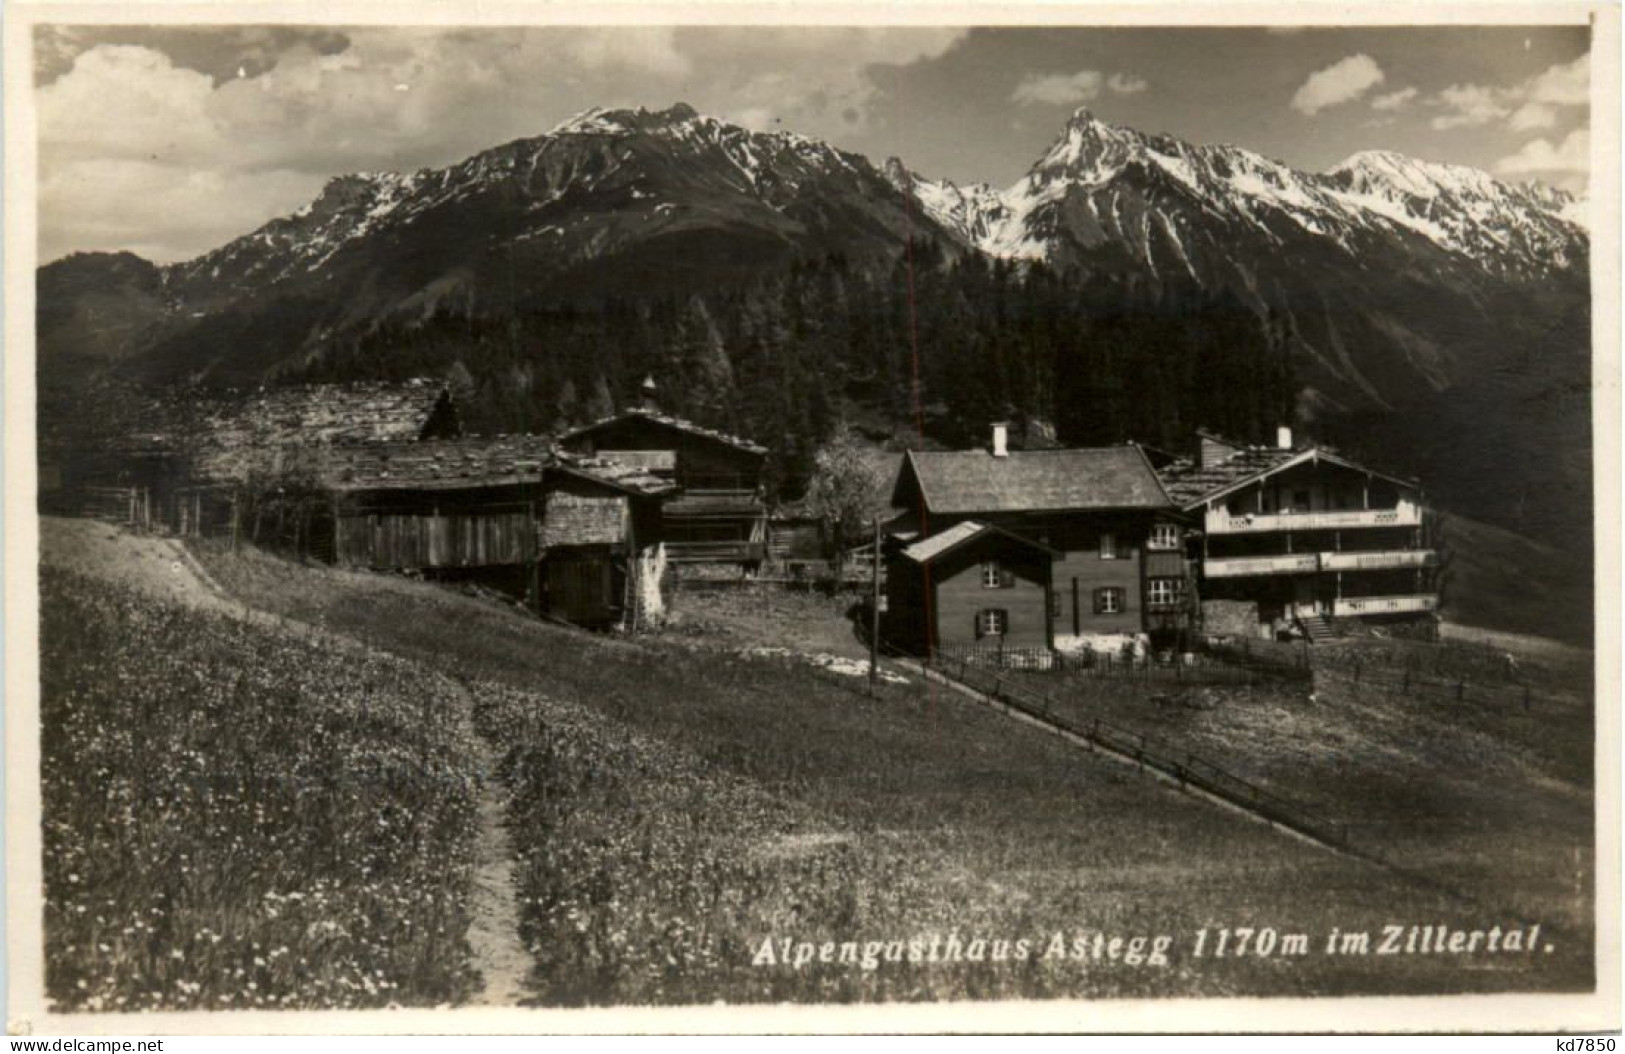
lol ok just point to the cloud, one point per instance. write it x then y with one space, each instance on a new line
1059 89
1532 115
1470 106
1563 85
154 141
1127 83
1343 81
1540 157
1530 105
1069 89
1395 100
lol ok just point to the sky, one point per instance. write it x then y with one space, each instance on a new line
168 141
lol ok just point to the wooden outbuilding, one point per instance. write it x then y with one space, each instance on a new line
972 585
721 514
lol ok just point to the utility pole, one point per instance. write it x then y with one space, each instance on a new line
874 615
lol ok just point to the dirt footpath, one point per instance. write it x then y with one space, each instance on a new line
163 567
152 565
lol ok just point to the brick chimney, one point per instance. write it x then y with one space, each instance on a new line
1001 439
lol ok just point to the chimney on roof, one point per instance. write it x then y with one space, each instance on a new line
647 392
1283 438
1001 439
1213 450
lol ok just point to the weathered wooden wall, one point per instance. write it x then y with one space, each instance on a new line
400 540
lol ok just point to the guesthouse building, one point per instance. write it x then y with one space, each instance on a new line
1297 538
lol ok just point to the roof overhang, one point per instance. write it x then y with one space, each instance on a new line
1313 455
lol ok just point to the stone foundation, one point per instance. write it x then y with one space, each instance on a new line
1113 644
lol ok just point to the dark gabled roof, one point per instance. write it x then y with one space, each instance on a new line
974 481
669 421
962 534
470 463
1190 484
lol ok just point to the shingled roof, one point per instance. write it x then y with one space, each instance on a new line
472 462
258 431
1190 483
443 464
668 420
974 481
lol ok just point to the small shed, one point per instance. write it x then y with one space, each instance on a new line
603 559
972 585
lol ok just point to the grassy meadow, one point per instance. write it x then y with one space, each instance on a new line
239 817
675 805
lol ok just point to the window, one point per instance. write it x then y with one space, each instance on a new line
1108 601
996 576
1166 592
1108 546
1164 536
992 622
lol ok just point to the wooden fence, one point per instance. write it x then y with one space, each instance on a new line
1153 753
1199 667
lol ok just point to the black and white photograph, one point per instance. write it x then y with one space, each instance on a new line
979 524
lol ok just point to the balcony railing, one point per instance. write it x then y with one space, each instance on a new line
1349 606
1378 560
1221 521
1235 567
715 552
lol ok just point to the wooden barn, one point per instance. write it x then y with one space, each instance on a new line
511 512
972 585
438 505
721 515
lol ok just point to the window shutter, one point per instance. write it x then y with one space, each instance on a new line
1100 601
1004 622
1007 577
977 621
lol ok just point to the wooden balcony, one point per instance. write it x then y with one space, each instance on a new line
1221 521
1396 605
1240 566
1376 561
715 552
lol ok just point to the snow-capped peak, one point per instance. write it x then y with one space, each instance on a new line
1371 170
1462 210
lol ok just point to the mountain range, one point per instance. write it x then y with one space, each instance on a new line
1415 293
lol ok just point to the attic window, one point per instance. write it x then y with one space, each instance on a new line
996 576
1164 536
1108 546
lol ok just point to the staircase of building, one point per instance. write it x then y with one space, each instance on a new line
1318 629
